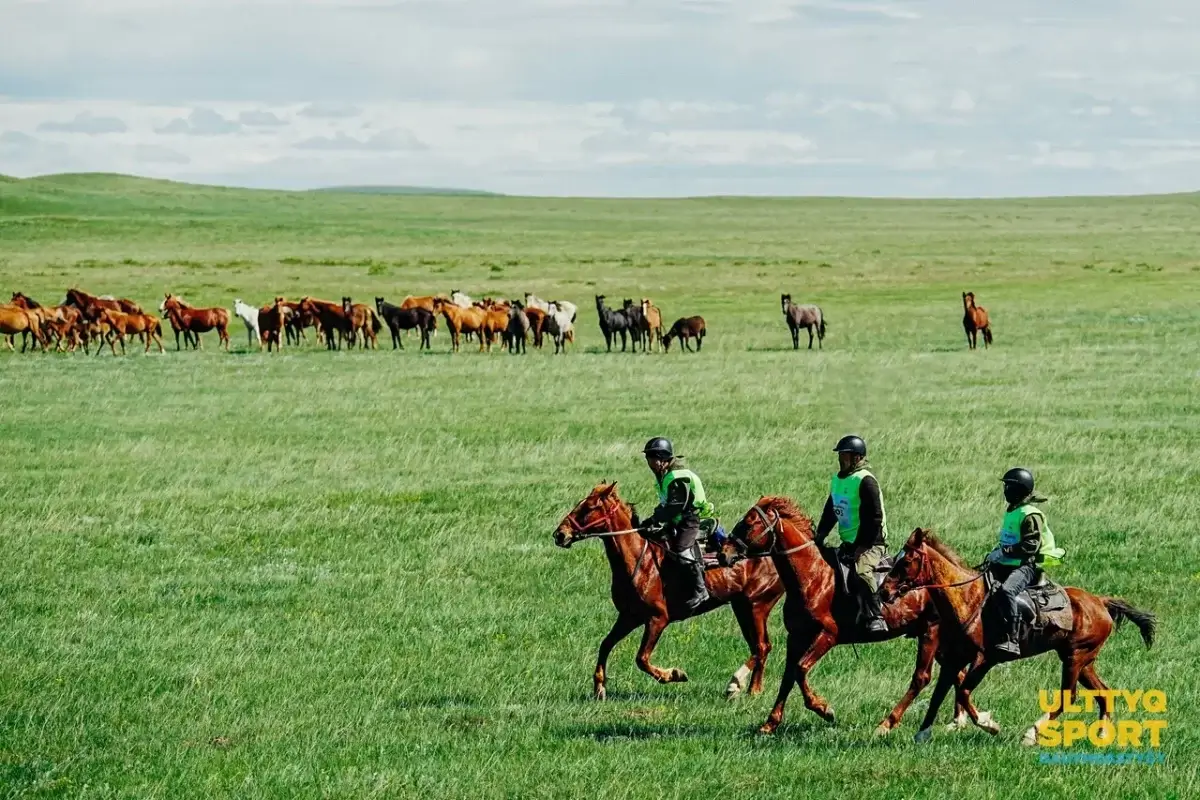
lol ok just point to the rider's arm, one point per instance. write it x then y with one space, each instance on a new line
870 513
679 496
1026 548
828 520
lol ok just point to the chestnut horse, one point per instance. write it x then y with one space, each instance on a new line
272 320
14 320
362 319
653 322
332 319
537 324
120 325
462 320
818 616
959 592
195 321
751 588
57 320
82 300
686 328
975 321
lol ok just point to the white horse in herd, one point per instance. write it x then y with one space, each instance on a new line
249 315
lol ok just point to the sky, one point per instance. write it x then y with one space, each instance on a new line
917 98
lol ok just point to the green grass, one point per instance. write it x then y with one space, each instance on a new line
338 567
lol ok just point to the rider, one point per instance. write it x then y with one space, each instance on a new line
681 505
1026 545
855 506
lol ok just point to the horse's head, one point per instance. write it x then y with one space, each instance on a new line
666 342
594 514
346 304
600 302
785 302
910 569
968 299
379 305
755 533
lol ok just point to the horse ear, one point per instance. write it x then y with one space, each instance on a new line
918 537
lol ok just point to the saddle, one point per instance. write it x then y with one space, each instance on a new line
1043 605
844 574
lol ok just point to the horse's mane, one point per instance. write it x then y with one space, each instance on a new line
945 551
32 303
786 508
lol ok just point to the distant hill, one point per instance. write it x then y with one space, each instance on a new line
404 190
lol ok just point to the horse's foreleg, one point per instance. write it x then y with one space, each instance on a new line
965 706
926 650
753 622
797 642
654 629
621 628
810 337
949 671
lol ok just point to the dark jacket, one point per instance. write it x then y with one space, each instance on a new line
870 513
1026 548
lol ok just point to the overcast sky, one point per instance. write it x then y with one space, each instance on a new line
611 97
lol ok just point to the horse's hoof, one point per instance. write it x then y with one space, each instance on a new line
1030 738
732 690
883 730
829 717
923 736
600 693
768 728
678 676
988 723
958 723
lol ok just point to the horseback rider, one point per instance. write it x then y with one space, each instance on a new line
855 506
1026 545
682 503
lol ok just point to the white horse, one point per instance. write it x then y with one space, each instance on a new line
249 315
461 300
533 301
567 308
561 327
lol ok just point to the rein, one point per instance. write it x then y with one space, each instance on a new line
583 532
771 529
924 570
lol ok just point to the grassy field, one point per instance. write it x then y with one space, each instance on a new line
332 574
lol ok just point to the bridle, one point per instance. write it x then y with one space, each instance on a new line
592 530
925 574
771 527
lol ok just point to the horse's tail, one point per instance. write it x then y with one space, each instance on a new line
1120 611
821 323
987 335
376 325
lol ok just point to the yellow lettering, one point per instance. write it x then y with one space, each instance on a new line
1155 701
1049 701
1069 704
1049 734
1129 733
1101 733
1155 727
1089 699
1073 731
1132 698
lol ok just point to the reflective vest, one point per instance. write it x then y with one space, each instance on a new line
846 502
699 499
1010 534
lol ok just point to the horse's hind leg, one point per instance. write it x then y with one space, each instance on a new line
797 642
810 337
753 622
621 628
946 677
1072 665
965 706
654 629
1091 680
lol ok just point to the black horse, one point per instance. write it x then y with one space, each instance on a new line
612 323
639 329
406 319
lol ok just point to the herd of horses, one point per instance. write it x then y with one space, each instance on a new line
931 595
83 319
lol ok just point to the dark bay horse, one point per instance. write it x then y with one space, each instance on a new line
818 616
84 301
959 593
639 328
975 322
195 321
612 323
332 319
686 328
406 319
809 317
751 588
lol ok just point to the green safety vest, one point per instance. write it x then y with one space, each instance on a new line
1010 533
699 499
846 501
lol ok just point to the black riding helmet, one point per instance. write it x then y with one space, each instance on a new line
851 444
1018 483
659 447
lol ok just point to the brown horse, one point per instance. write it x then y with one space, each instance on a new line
195 321
271 322
654 324
959 593
751 588
462 320
685 328
121 325
537 321
53 320
14 320
428 302
82 300
818 616
975 321
362 319
808 316
331 318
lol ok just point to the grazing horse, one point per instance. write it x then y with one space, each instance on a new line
686 328
818 616
462 320
332 318
809 317
14 320
751 588
612 323
362 318
518 328
639 329
561 327
272 324
405 319
121 325
249 316
654 326
195 321
959 594
975 321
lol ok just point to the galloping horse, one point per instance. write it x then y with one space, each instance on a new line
751 588
653 322
975 321
819 617
82 300
57 320
959 593
195 321
809 317
121 325
612 323
686 328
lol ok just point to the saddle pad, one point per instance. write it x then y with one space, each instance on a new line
1053 606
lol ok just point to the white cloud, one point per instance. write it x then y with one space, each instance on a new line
393 139
84 122
258 119
329 111
201 122
962 101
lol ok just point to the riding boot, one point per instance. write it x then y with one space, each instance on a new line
1011 645
696 592
874 609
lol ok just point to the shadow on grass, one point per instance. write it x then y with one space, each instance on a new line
637 731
